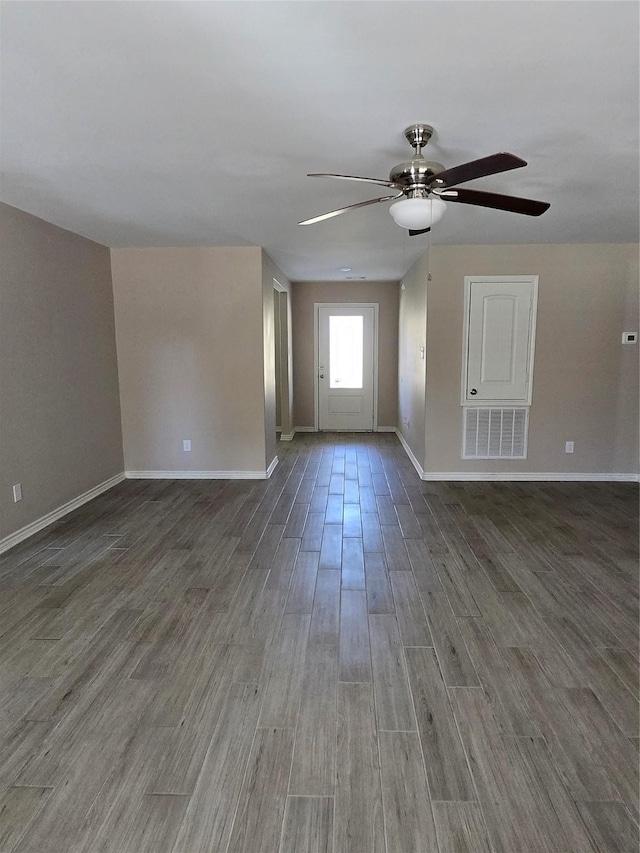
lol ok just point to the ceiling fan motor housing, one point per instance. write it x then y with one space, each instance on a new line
414 173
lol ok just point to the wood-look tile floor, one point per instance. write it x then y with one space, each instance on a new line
342 659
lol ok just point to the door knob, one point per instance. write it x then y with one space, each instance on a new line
473 392
322 376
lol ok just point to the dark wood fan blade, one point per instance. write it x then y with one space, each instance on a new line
510 203
380 181
345 209
412 233
491 165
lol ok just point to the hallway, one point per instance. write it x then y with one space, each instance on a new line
341 659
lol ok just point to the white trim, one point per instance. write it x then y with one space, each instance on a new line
547 476
201 475
479 476
532 280
272 467
289 436
409 453
316 363
45 520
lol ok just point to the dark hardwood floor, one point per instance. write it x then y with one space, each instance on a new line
342 659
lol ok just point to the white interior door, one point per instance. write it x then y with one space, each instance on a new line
346 362
500 335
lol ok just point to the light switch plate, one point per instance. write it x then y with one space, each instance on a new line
629 337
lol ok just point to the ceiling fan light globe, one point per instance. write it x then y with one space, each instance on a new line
417 213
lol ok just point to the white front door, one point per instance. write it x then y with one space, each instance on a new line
346 361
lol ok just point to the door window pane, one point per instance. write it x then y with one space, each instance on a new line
346 351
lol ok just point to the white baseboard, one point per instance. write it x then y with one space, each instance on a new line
527 477
409 453
478 476
288 436
45 520
512 477
202 475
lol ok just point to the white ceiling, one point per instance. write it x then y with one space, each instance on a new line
195 123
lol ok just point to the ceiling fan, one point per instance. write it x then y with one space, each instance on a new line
425 187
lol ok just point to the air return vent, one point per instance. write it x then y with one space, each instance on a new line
495 433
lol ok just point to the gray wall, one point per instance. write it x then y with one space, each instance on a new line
190 327
196 358
412 373
626 439
585 383
304 295
59 407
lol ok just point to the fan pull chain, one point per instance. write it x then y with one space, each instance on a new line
405 242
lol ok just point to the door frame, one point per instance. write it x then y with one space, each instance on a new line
316 364
286 412
532 282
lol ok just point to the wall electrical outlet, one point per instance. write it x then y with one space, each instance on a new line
629 337
186 444
568 447
17 493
